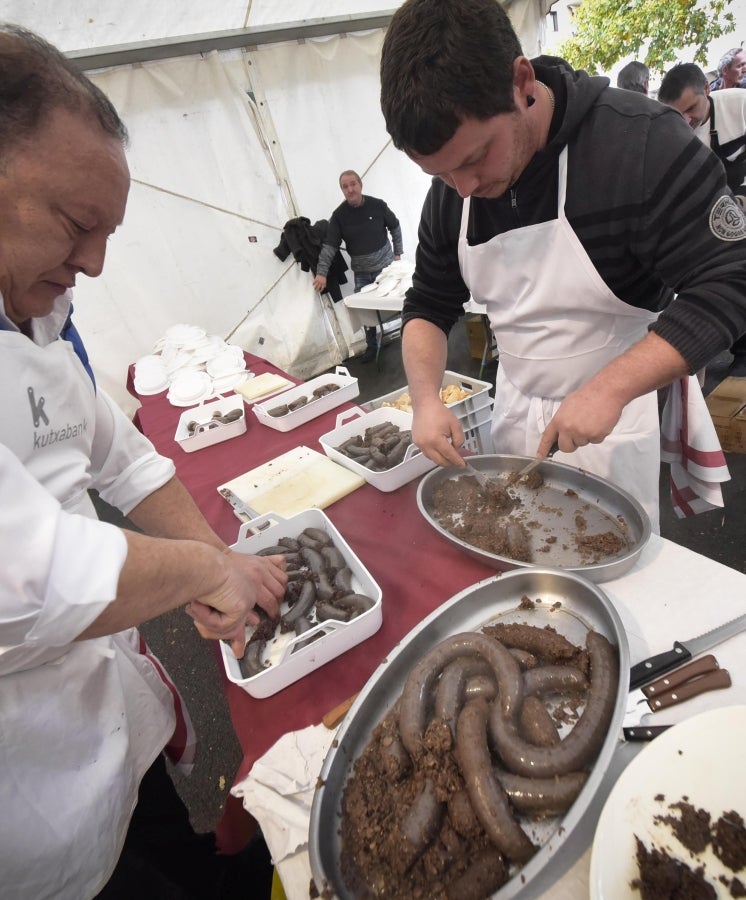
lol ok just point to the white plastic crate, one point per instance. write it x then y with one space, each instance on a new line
347 389
478 398
203 435
292 656
412 467
478 434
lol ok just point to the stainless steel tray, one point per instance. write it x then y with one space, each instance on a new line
552 508
582 606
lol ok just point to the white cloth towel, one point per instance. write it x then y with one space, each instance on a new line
279 789
689 443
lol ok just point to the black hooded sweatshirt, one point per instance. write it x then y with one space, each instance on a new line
642 198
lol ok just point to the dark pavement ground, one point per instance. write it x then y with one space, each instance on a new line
193 663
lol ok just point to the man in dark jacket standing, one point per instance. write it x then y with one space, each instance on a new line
364 224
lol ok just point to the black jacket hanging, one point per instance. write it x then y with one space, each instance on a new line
304 241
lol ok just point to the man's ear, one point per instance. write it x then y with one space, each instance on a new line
524 78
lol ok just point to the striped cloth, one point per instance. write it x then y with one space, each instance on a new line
689 443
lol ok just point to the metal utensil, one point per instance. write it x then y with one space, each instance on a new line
688 681
484 480
242 510
657 665
516 476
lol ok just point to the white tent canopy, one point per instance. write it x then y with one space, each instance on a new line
226 146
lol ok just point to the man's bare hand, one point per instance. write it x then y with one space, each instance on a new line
248 581
586 416
319 283
438 433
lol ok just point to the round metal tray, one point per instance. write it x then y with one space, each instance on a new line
571 605
551 511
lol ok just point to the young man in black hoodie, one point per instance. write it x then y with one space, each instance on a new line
575 212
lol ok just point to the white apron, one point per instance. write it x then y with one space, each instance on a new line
557 323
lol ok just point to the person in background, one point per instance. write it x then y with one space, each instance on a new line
635 76
573 212
731 70
364 224
88 807
718 118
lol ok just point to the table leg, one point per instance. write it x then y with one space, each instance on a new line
379 337
487 343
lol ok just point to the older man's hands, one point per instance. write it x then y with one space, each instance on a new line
246 581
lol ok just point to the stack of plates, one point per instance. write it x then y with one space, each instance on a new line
151 375
227 368
192 365
189 388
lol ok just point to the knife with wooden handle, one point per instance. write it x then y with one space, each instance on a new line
688 681
654 666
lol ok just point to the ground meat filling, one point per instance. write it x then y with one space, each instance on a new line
496 520
662 875
412 823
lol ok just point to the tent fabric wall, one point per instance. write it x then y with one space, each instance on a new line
225 148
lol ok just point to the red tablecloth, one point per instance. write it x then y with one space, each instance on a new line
415 567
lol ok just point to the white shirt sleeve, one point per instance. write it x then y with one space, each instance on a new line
125 467
59 572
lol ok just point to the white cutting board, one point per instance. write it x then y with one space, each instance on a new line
299 479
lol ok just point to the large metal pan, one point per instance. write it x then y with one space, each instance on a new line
570 604
550 512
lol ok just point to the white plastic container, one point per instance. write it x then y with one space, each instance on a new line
478 431
473 412
203 435
413 465
293 656
347 389
478 398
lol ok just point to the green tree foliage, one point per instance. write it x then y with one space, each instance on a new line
606 31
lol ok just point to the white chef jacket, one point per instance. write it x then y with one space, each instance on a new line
80 722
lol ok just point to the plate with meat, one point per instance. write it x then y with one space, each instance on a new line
673 825
458 772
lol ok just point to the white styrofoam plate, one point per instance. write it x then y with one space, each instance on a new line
700 760
150 390
228 382
189 387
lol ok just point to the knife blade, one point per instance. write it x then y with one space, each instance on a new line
654 666
689 680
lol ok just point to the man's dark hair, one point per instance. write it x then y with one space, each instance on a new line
634 77
36 79
444 61
678 79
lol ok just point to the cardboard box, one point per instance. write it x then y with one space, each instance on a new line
476 334
727 405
